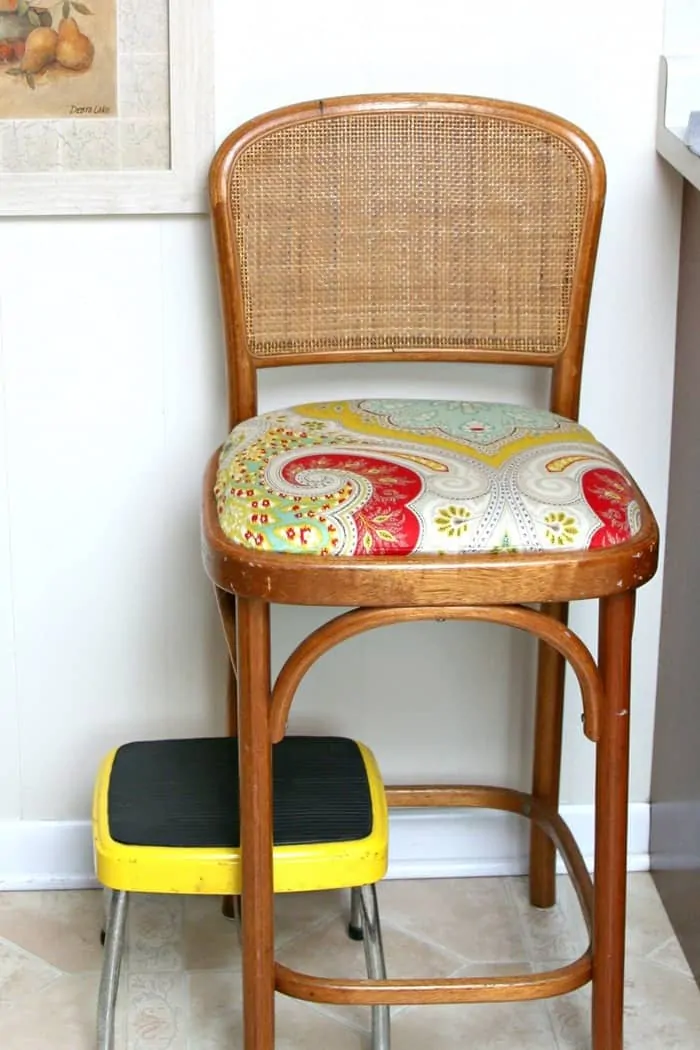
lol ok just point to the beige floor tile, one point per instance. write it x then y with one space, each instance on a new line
571 1020
670 955
22 974
298 912
648 925
157 1014
475 918
552 933
500 1026
154 933
673 1021
560 932
328 951
60 1017
60 927
211 942
662 1011
215 1016
181 982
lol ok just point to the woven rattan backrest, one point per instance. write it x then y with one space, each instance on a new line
407 227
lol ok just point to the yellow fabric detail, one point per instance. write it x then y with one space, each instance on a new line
342 412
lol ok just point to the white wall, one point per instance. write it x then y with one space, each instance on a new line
111 368
681 27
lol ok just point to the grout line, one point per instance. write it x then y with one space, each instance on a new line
316 924
668 967
31 956
17 1001
424 939
391 924
331 1012
525 935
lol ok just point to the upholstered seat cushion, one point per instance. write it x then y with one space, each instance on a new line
402 477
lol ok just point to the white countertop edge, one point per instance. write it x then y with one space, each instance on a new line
679 75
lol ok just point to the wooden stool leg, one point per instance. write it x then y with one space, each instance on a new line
612 770
229 905
227 614
547 761
232 701
255 778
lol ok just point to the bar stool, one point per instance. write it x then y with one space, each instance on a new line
166 820
422 228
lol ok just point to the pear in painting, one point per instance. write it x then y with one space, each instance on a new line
39 50
74 49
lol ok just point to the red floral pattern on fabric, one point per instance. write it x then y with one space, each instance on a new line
415 476
385 523
608 493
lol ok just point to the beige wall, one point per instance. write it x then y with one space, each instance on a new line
111 371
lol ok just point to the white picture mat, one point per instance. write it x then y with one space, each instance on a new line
180 189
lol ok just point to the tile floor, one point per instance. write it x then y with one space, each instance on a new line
180 987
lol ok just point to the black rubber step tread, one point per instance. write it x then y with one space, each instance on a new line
184 793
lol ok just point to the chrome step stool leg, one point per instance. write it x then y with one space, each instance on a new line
376 966
355 924
111 965
106 902
364 926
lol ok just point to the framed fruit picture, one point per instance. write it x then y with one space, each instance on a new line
105 106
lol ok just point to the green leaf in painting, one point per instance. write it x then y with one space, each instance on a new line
81 8
31 81
33 18
22 7
16 72
66 8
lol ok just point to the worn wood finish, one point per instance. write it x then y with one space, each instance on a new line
255 786
491 587
546 772
474 579
347 625
231 701
516 988
227 615
612 770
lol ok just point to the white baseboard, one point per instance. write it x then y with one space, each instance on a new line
435 843
425 843
46 855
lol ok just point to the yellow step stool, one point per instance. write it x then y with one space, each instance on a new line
166 820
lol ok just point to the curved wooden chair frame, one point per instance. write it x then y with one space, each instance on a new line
496 588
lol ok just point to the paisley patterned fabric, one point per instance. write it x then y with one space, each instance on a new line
402 477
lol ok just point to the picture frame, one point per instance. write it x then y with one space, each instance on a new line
176 188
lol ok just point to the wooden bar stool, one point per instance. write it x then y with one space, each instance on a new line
166 820
422 228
